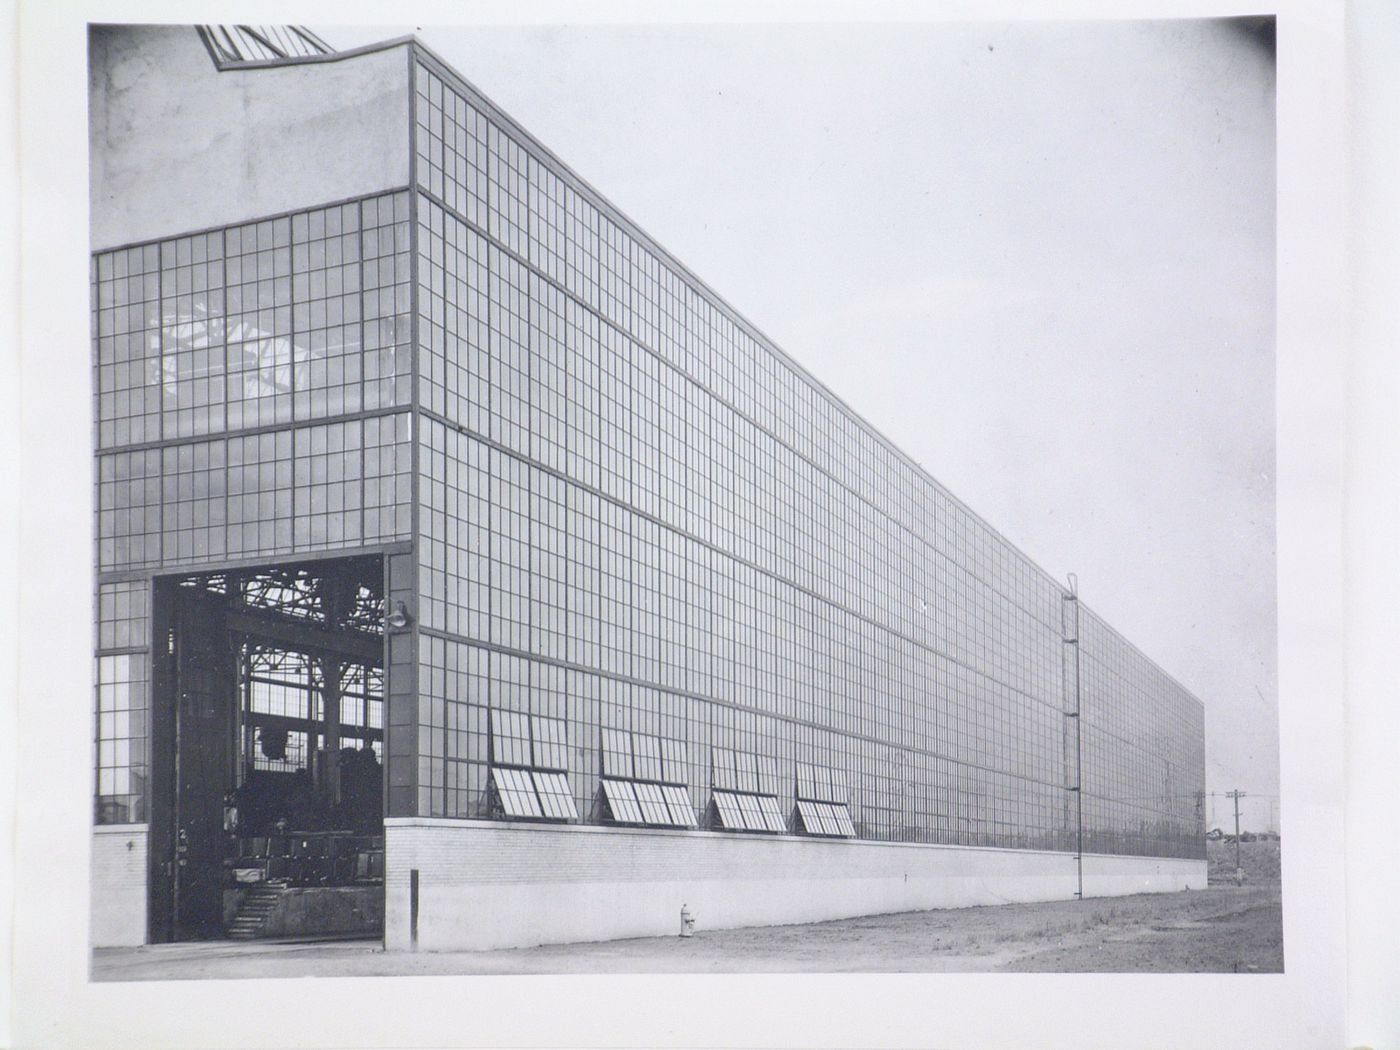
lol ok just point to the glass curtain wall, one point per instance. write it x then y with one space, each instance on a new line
635 515
252 391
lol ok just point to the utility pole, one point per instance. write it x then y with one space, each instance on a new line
1236 795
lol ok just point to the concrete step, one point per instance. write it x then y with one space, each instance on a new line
256 907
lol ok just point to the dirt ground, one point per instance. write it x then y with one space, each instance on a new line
1222 929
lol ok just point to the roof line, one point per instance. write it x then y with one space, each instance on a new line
1138 649
225 66
496 112
684 271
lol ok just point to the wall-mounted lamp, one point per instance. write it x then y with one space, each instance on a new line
397 617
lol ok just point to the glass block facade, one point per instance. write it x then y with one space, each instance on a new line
629 513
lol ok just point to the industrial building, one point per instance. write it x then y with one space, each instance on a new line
469 572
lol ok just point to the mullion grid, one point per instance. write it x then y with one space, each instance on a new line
617 754
731 815
529 755
253 325
653 804
677 800
510 739
807 814
120 737
977 691
261 353
326 315
454 318
129 367
386 250
192 335
744 788
821 801
622 802
516 792
548 565
650 771
454 531
556 800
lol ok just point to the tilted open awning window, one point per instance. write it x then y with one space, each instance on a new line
528 767
516 793
745 795
742 812
823 802
825 818
621 802
644 781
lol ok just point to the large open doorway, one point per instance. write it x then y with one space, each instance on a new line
267 759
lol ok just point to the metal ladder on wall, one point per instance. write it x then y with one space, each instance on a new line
1073 746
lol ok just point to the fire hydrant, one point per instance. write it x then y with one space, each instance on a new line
687 922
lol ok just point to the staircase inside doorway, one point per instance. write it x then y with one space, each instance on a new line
251 919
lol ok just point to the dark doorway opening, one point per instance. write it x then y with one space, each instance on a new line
267 752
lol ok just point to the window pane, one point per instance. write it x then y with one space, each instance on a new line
647 757
727 807
510 739
746 772
516 793
617 754
678 802
654 809
772 815
622 802
842 817
675 767
555 798
550 743
722 766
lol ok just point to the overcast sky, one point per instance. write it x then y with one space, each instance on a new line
1038 256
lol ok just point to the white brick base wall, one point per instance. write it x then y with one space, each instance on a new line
118 885
488 884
